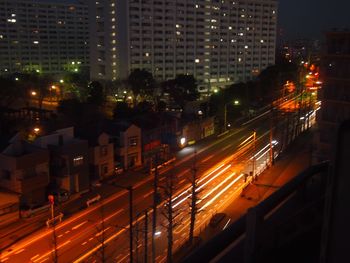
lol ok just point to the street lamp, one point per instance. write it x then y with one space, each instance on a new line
236 103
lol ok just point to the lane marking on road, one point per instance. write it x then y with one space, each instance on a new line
83 244
37 255
121 260
226 147
51 251
67 232
147 195
77 226
91 238
183 173
100 233
4 259
93 250
114 214
183 180
19 251
207 159
60 235
45 259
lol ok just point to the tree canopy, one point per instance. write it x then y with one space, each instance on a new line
181 89
142 82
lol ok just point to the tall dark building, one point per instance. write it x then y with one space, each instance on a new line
335 93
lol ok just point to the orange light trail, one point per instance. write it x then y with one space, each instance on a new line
200 187
221 192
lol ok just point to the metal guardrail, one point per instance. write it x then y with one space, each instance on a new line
54 220
93 200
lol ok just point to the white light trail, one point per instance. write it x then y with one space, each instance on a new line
274 142
221 192
219 185
199 181
265 153
200 187
246 140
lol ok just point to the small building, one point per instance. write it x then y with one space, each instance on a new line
198 129
9 207
126 138
101 153
24 169
69 162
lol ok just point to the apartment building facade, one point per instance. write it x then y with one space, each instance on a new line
50 36
219 42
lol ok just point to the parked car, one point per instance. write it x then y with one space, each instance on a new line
216 219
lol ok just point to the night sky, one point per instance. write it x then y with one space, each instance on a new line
310 18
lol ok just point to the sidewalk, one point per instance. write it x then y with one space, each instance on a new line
288 165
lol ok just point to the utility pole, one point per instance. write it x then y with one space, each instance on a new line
254 150
130 190
271 137
225 117
155 203
52 202
146 236
194 199
130 223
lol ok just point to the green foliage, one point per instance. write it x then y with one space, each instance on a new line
182 89
142 82
76 85
96 94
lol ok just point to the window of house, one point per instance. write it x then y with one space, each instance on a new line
104 169
79 160
103 150
132 141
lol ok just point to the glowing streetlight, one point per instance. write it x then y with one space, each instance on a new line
33 93
61 81
53 87
36 129
183 141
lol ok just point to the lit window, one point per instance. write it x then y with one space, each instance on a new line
77 161
196 60
132 141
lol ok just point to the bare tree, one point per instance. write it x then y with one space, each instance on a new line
54 243
101 236
170 213
194 198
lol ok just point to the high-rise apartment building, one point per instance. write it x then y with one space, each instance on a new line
103 38
335 92
44 35
218 41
